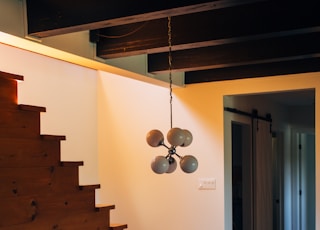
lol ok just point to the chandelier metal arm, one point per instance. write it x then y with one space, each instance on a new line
178 155
163 144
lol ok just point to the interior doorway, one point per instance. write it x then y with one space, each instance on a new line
242 199
292 171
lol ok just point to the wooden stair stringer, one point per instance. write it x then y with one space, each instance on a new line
38 190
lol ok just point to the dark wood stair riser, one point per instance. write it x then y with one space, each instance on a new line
8 93
81 221
61 210
38 180
29 152
19 124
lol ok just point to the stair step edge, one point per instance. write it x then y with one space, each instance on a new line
104 206
11 76
71 163
89 187
53 137
31 108
118 226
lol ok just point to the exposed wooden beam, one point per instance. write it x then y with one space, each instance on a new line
236 54
211 40
54 17
311 64
209 28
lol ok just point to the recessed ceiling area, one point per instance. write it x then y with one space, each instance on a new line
293 98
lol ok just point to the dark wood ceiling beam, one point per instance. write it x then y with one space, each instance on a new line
237 54
311 64
221 26
55 17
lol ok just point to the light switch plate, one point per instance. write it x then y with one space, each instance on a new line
207 183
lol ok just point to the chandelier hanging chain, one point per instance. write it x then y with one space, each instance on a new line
176 136
170 66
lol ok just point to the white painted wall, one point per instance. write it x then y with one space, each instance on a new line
169 201
69 94
128 110
106 118
213 92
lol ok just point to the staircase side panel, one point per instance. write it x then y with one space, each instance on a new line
8 93
18 152
19 123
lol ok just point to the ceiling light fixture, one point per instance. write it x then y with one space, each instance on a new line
176 136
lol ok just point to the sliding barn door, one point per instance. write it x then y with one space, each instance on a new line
262 157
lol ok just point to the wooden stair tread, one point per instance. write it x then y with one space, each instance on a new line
11 76
118 226
31 108
100 207
71 163
89 187
53 137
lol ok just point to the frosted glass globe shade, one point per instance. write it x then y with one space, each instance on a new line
188 138
160 165
188 164
155 138
172 165
176 136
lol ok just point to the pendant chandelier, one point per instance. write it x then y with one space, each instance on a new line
176 137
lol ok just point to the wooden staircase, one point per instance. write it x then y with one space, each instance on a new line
37 190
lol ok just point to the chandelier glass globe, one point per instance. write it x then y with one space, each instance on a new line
172 165
155 138
160 164
188 164
168 164
188 138
176 136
